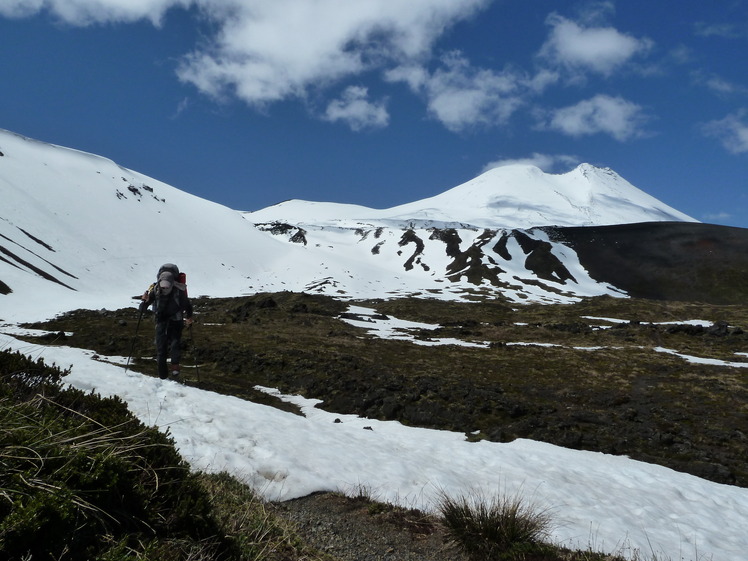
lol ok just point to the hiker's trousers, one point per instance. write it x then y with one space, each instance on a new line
168 345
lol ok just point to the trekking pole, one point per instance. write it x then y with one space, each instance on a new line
194 354
132 346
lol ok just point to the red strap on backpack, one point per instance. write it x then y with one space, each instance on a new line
183 279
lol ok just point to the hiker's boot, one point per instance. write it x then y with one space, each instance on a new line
163 370
175 373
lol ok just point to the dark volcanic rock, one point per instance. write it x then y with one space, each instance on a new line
681 261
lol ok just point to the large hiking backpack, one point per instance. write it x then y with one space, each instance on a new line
169 283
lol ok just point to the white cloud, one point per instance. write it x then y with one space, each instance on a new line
604 114
461 96
717 84
269 50
542 80
596 12
718 217
88 12
550 163
732 131
263 51
182 106
725 30
20 8
415 76
577 47
354 109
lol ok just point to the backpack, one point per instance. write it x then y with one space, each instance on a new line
170 282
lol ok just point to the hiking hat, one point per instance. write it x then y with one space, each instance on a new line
166 282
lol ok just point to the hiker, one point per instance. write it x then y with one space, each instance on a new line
172 311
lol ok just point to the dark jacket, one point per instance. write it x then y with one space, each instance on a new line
175 306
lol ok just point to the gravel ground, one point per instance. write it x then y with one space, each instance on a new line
352 529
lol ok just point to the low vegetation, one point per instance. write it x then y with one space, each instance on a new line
604 374
598 375
83 479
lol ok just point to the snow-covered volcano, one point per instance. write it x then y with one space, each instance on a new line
516 196
78 230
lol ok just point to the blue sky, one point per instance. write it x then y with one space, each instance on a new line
383 102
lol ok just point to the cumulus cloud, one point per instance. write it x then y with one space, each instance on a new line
264 51
88 12
461 96
618 117
579 47
268 50
732 131
550 163
354 109
19 8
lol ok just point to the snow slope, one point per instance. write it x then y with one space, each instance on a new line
98 229
79 225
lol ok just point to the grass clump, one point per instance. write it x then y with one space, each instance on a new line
502 528
82 478
510 528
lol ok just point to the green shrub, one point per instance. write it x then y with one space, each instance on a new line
23 376
79 473
501 528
